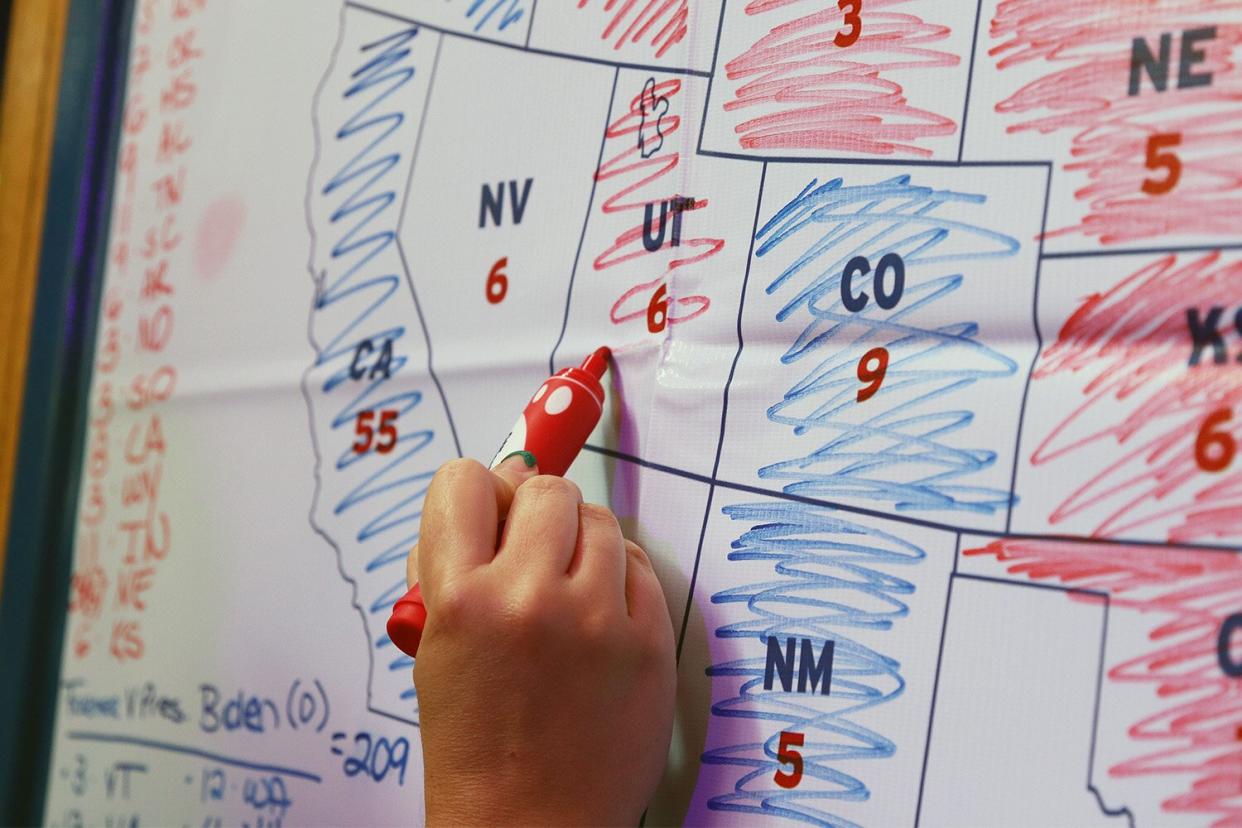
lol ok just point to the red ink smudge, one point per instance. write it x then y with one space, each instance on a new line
664 20
828 97
1089 47
1180 597
1133 343
217 235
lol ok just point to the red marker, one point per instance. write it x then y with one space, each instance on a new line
554 427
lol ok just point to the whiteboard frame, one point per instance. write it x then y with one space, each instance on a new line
39 558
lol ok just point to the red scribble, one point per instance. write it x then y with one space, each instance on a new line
1180 597
634 173
664 20
87 588
1089 46
1133 342
826 97
125 532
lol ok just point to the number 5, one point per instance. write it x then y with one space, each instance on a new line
387 429
1157 160
362 427
793 757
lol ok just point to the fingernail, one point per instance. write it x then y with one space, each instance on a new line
526 461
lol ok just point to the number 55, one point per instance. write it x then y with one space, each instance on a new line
366 435
789 779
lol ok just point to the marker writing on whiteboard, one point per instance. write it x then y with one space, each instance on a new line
553 427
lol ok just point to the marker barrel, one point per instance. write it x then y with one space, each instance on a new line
554 426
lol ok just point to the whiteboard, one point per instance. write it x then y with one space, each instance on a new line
923 398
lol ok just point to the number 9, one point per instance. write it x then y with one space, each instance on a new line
873 377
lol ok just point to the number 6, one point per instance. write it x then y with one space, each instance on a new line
497 281
1210 436
657 310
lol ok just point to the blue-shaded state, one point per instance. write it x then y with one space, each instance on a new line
906 454
499 14
831 577
364 199
829 580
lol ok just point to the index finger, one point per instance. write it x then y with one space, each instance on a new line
461 516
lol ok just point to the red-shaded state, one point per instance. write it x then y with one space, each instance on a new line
1132 341
1088 46
808 93
1180 597
627 172
663 21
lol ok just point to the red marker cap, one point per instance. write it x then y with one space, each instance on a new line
554 427
405 625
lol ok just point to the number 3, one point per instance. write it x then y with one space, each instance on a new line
785 754
853 19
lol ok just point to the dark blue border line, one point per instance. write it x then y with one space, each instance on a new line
672 70
530 21
724 416
961 141
1144 251
1099 675
1032 584
931 711
707 96
186 750
1095 724
890 161
1030 369
405 265
712 480
586 220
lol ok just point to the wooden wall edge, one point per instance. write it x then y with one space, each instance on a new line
27 126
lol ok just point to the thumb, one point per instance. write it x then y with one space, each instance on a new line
512 471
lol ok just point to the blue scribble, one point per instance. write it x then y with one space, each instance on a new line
832 576
510 12
824 587
901 454
365 217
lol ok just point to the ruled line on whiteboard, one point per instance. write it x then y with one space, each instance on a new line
1141 251
186 750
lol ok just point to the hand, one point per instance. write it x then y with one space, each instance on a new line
546 674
